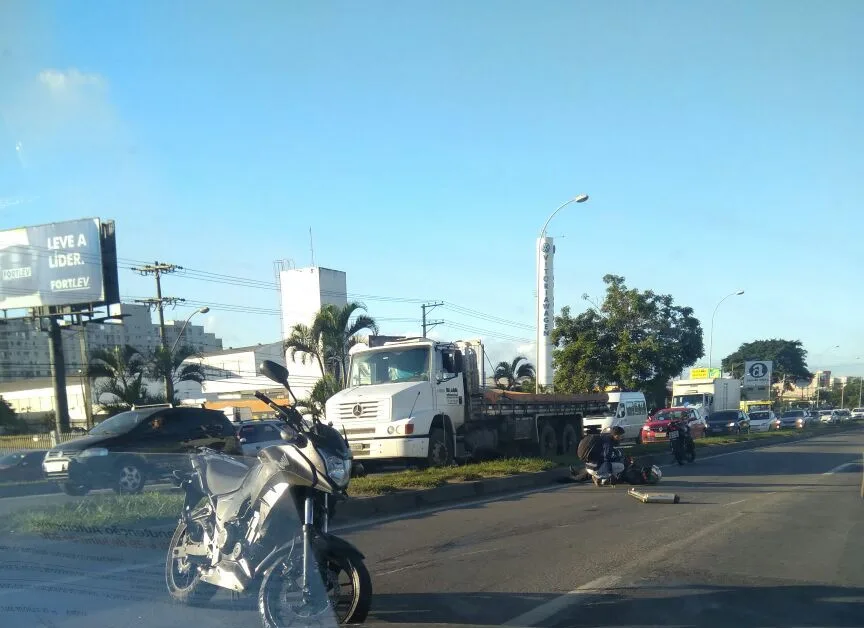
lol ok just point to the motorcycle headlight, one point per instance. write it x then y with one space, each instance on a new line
338 470
92 452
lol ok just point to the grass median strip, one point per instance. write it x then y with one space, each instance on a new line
125 510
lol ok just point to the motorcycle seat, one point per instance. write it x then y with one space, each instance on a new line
224 476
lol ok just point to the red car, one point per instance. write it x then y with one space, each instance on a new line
656 428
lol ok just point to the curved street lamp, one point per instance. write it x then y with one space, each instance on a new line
200 310
711 341
545 291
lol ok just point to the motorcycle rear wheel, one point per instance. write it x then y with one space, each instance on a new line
182 577
280 599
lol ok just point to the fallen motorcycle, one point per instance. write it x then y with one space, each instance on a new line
624 469
261 527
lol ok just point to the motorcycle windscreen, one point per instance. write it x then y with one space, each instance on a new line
298 469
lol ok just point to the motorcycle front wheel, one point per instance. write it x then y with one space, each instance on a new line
345 579
182 576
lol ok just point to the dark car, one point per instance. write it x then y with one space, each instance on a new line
728 422
22 466
145 443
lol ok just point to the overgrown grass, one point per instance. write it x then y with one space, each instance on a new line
97 511
431 478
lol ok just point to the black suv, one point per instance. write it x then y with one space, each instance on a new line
131 447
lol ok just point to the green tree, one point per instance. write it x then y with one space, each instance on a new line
122 370
333 332
164 363
323 389
788 356
510 375
10 423
636 340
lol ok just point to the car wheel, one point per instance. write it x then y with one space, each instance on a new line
130 478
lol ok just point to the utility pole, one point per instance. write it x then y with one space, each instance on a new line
85 372
158 269
58 368
426 307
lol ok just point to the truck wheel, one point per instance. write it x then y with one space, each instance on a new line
439 449
569 440
548 441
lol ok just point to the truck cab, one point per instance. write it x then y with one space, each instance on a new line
407 399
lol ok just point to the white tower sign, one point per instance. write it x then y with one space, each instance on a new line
545 309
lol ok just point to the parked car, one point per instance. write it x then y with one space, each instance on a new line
135 446
858 413
794 419
728 422
844 415
22 466
657 426
256 435
762 420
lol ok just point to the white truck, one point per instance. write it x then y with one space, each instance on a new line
707 395
422 402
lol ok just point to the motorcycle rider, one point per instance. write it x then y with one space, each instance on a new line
684 436
598 451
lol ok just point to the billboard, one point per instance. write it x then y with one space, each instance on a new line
757 373
52 265
705 373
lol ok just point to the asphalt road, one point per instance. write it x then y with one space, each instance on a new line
764 537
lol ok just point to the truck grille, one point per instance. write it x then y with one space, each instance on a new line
359 432
361 410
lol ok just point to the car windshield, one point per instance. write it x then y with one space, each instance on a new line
119 423
760 416
672 415
10 459
390 366
791 414
723 415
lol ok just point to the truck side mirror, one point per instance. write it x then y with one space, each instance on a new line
457 362
452 361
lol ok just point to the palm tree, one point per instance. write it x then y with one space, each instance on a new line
344 329
332 334
513 373
323 389
164 363
123 368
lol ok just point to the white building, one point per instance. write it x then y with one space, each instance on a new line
303 292
232 373
24 347
33 399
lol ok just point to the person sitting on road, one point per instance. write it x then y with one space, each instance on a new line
598 451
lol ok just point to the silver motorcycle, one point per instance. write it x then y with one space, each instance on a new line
262 526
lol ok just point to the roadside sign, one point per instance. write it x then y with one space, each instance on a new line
705 373
757 373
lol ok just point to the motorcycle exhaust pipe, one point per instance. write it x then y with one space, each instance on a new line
654 498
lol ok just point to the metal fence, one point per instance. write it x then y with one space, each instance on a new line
9 444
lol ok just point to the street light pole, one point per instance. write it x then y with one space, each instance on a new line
711 339
169 382
546 300
200 310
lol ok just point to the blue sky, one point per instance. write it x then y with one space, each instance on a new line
425 144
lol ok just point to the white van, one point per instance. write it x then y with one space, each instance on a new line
626 409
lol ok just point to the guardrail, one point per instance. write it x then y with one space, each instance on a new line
10 444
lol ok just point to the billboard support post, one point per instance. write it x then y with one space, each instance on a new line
58 368
85 376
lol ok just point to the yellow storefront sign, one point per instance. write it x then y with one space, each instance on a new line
704 373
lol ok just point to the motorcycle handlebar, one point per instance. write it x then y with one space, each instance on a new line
291 420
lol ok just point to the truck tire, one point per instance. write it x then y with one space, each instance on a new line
569 440
439 449
547 440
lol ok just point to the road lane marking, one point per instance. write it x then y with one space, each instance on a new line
561 602
577 596
740 501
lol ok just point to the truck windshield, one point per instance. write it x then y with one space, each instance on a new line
396 365
687 400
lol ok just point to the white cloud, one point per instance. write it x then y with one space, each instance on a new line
71 82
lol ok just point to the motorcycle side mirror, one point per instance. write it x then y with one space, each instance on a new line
274 371
243 441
